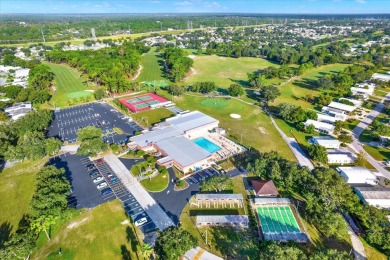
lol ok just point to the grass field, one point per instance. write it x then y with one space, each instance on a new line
225 71
151 69
371 252
16 190
223 241
156 184
380 154
258 130
101 233
68 85
292 92
153 116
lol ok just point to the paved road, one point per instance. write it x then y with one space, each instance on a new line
301 156
358 130
155 212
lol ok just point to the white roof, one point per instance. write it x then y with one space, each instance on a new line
357 174
183 150
326 140
379 76
362 90
222 219
341 106
320 125
155 136
191 120
200 254
322 117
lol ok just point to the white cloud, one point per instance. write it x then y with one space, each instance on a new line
360 1
183 3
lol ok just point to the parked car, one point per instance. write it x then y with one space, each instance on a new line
98 179
99 162
102 185
95 175
114 179
90 167
94 171
140 222
106 191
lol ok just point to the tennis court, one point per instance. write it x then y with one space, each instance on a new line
277 219
142 103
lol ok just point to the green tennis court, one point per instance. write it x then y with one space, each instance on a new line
277 219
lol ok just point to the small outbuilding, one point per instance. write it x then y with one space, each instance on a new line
264 188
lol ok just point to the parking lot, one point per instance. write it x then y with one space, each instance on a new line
84 193
68 121
201 175
86 176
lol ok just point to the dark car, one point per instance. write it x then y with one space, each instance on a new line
106 191
90 167
94 171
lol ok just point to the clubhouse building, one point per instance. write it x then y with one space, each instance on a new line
182 141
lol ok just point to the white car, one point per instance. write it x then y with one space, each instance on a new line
98 179
140 222
102 185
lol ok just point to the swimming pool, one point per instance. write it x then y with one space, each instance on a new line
207 145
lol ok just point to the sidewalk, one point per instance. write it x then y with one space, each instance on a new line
155 212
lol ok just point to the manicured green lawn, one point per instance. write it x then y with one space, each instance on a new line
291 131
380 154
225 71
254 125
292 92
151 69
69 85
156 184
101 233
371 252
16 190
151 117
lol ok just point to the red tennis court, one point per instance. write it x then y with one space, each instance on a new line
143 102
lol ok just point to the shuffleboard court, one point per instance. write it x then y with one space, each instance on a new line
277 219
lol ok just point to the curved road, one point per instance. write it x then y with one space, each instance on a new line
358 130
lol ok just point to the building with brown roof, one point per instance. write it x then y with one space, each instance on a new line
264 188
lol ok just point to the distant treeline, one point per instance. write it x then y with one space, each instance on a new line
29 28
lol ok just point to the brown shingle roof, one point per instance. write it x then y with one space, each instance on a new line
264 187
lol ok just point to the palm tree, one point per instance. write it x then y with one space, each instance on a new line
146 251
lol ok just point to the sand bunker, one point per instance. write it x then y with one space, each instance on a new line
236 116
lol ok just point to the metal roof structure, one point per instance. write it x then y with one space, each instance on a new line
326 118
265 201
379 76
376 192
183 150
357 175
342 106
199 253
191 120
320 125
222 219
156 135
325 140
219 196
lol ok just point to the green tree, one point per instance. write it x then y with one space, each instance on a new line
236 90
318 153
361 159
146 251
345 138
173 242
43 223
19 246
89 132
99 94
53 145
269 93
217 184
277 251
325 83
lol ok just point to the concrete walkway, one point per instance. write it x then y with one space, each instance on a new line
301 156
358 130
358 248
155 212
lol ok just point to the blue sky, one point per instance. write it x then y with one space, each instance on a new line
195 6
